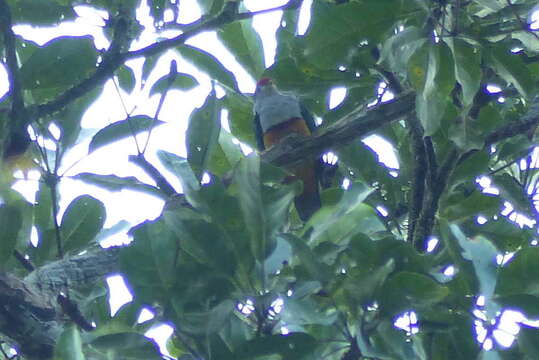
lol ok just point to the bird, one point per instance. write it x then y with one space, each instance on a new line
278 115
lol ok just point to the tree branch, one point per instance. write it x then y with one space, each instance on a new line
344 131
529 121
15 87
112 60
419 171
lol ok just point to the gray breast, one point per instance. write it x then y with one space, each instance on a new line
276 109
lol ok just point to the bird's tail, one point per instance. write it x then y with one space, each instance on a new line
308 202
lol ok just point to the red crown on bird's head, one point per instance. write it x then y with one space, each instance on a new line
264 82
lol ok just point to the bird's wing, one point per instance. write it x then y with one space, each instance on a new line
308 117
259 136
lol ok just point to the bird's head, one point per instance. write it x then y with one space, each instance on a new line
265 86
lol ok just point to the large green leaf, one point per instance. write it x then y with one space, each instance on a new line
527 304
202 240
265 208
468 72
518 276
410 291
134 346
10 223
461 208
512 69
528 339
245 44
180 81
126 78
211 7
122 129
117 183
81 222
240 115
431 72
226 155
482 253
69 345
292 346
37 12
60 63
209 64
203 134
180 167
150 261
512 191
337 30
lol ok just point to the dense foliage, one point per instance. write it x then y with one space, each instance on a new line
228 264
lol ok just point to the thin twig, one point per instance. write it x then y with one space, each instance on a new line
23 261
159 179
170 80
519 19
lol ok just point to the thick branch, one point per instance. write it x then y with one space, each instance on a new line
29 312
75 271
528 122
348 129
419 171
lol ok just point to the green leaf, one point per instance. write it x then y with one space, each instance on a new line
398 49
493 5
202 240
209 64
336 31
469 169
10 223
431 71
61 62
203 134
513 192
292 346
512 69
122 129
208 322
126 78
468 72
69 345
181 81
225 156
519 275
527 304
70 117
37 12
528 340
180 167
134 346
117 183
240 115
316 269
150 261
462 208
245 44
265 208
147 67
211 7
407 291
81 222
482 253
345 219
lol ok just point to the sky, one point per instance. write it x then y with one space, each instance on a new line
113 105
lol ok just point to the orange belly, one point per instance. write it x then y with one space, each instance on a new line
309 200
